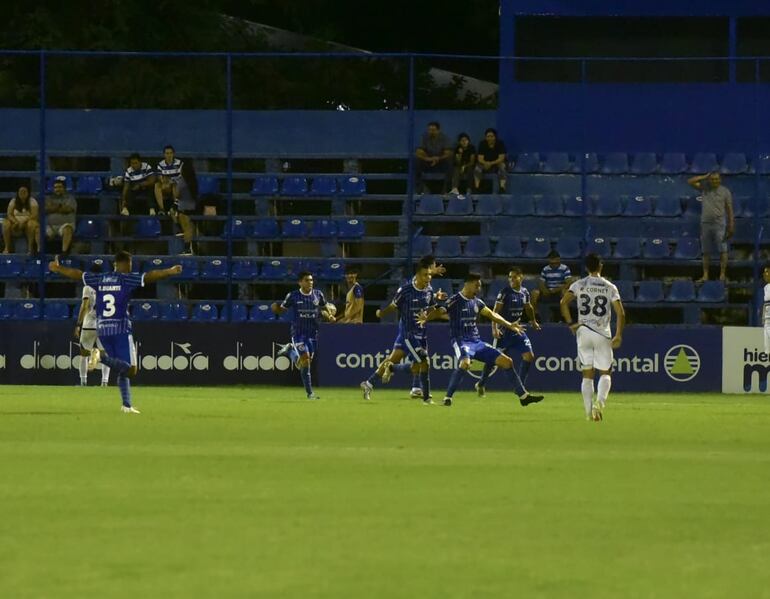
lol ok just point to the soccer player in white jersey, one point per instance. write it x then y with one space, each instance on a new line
594 295
766 307
85 332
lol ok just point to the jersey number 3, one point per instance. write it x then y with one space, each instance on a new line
109 305
599 308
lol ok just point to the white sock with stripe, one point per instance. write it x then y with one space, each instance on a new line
587 389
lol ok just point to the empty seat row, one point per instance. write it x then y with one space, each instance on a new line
204 312
682 290
31 310
269 185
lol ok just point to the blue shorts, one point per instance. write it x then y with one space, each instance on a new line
512 342
120 346
414 347
476 350
304 345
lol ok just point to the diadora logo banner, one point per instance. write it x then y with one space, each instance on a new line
241 359
745 364
39 359
180 356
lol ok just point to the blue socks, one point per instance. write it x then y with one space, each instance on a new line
457 377
125 388
424 379
485 374
121 367
514 379
305 374
524 371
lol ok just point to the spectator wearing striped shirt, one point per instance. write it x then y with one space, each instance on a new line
555 279
169 173
138 183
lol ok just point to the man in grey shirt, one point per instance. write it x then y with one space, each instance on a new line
434 155
60 209
717 222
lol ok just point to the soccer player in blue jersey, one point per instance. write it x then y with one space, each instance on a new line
511 303
307 304
463 310
113 292
411 299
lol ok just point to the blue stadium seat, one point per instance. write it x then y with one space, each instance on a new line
158 263
590 160
333 271
239 312
625 290
145 310
682 290
569 247
261 312
489 205
207 185
527 162
26 310
32 268
352 186
11 266
550 205
693 207
519 205
173 311
6 310
244 270
755 206
70 262
655 249
50 181
712 291
575 206
239 229
102 262
738 203
264 185
734 163
448 247
644 163
421 246
628 248
205 312
56 311
294 228
88 185
266 228
638 206
763 164
294 186
214 269
494 287
537 247
353 228
430 205
459 207
323 186
687 248
557 162
147 226
668 206
477 246
88 228
673 163
704 162
650 292
608 205
600 246
189 267
508 247
615 163
274 270
324 229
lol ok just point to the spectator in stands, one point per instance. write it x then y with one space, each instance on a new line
169 172
717 222
186 203
434 155
555 279
463 164
491 158
138 183
60 210
21 219
354 300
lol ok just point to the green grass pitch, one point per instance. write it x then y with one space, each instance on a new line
258 492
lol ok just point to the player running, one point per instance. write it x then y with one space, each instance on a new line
113 326
595 342
85 332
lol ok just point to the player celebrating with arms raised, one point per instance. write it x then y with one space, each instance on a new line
595 342
113 291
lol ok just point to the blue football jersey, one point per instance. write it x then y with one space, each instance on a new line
410 301
113 292
513 301
306 311
463 315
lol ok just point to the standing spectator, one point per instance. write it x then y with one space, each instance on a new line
186 204
60 209
138 183
354 300
491 158
169 171
434 155
22 219
463 163
555 279
717 222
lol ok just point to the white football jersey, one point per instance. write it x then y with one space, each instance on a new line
89 321
594 303
766 306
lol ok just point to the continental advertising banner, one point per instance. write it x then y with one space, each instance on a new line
745 365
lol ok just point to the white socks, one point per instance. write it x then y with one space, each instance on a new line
83 368
587 388
603 389
105 373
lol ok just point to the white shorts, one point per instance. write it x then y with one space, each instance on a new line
767 339
54 231
88 338
594 350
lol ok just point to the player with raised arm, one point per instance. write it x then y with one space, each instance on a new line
594 295
113 325
511 303
307 304
85 332
463 310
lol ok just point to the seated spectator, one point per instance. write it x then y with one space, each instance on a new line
434 155
138 183
22 219
169 171
491 158
555 279
354 300
60 210
463 164
186 203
